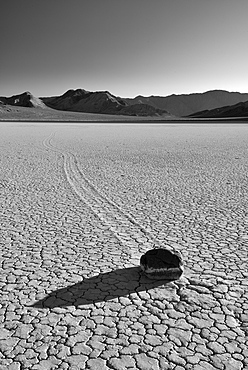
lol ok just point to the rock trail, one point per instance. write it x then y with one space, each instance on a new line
124 227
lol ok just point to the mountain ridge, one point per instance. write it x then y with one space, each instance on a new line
183 105
103 102
236 110
80 100
25 99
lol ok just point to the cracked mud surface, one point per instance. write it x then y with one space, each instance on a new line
80 204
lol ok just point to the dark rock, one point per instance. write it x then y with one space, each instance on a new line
162 263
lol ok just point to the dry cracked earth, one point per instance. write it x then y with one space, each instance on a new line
79 206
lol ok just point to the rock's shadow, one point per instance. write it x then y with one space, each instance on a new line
100 288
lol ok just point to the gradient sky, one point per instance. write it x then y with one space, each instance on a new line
128 47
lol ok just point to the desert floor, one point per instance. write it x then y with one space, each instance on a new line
79 206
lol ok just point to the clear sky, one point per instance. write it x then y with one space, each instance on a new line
128 47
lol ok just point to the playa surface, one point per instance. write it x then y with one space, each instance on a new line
80 204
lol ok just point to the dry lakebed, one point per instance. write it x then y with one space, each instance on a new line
80 204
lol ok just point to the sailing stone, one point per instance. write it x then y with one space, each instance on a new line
162 263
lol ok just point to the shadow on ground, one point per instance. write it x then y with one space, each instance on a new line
100 288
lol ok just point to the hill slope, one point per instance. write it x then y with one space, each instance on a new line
185 105
236 110
27 114
25 99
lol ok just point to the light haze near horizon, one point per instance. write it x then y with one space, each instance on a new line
130 48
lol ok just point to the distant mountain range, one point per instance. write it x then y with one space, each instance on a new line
185 105
211 104
85 101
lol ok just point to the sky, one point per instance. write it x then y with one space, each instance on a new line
128 47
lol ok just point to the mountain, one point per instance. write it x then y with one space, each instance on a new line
99 102
172 106
236 110
85 101
23 100
187 104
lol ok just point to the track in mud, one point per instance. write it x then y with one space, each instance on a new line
125 228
